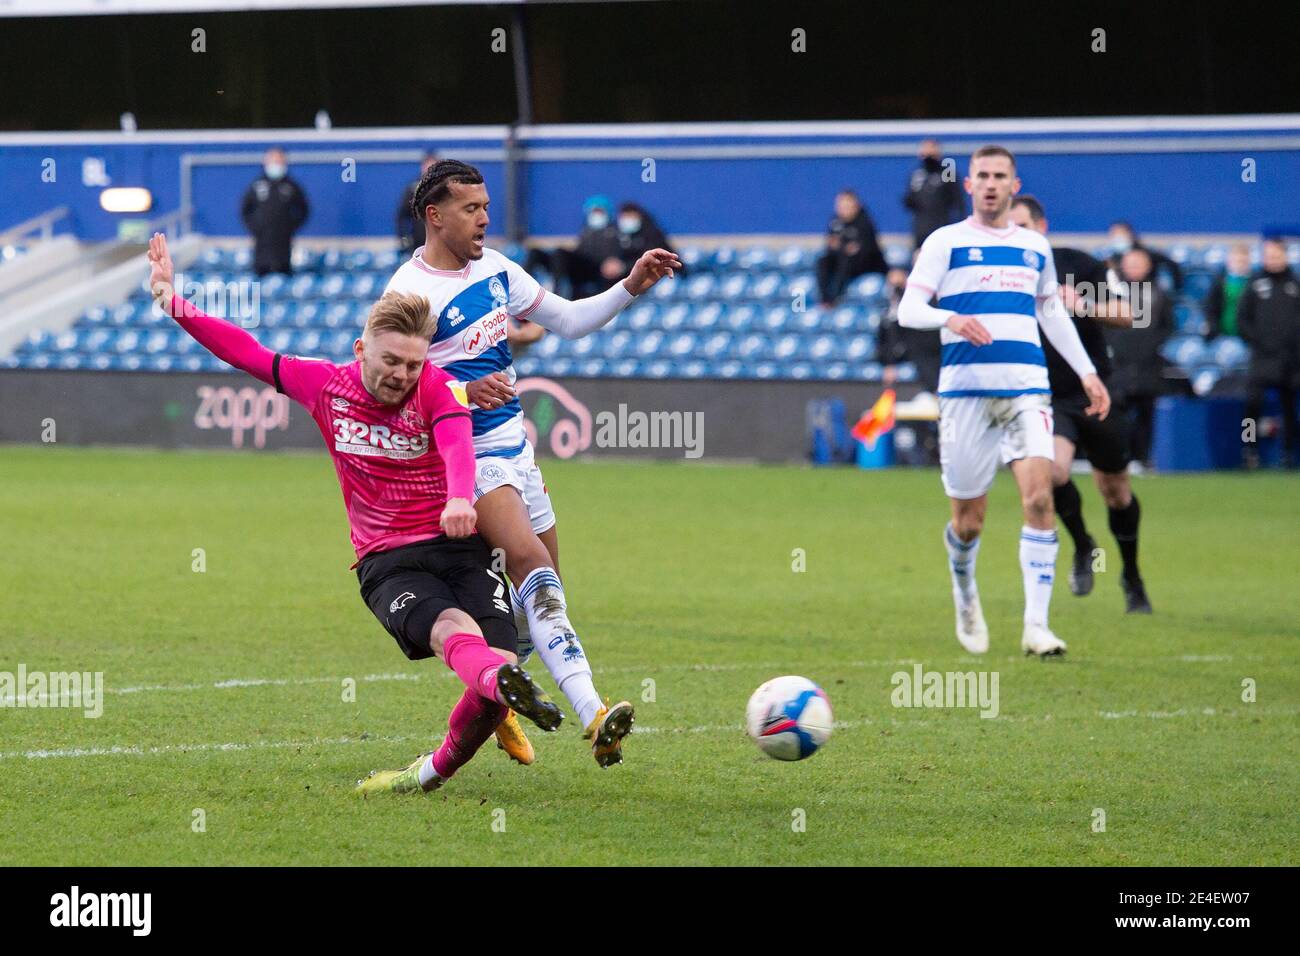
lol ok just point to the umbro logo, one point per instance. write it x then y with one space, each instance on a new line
340 404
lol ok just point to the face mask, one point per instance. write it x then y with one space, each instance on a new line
629 224
1122 246
932 164
275 170
598 219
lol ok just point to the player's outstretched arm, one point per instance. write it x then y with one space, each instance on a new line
227 342
574 319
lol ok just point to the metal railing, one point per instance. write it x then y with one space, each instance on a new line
44 224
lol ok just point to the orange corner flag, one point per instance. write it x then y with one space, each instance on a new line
877 421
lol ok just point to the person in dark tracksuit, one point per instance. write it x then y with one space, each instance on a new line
852 248
1268 317
1139 368
933 199
274 208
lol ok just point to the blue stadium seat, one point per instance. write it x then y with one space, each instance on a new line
788 347
822 348
694 368
1228 351
675 317
755 259
898 256
707 317
1184 351
273 285
592 368
796 259
866 286
750 347
658 368
776 319
802 284
618 344
767 288
649 344
1204 378
859 348
701 286
733 287
625 368
667 289
742 318
696 259
683 345
586 347
641 316
724 258
715 346
525 365
1188 316
387 261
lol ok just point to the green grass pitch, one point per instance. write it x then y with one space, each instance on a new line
226 687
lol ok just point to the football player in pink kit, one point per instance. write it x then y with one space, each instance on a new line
398 429
475 292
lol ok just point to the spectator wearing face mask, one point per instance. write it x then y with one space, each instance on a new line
579 272
410 231
638 233
1269 319
274 208
933 200
1121 237
1221 301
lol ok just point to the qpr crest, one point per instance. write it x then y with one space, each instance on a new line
498 292
1031 259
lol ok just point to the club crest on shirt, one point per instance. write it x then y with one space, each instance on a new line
458 390
412 417
1031 259
498 292
976 254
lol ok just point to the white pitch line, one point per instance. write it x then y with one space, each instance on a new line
241 683
142 751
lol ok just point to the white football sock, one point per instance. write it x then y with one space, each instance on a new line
525 646
542 597
1038 565
426 773
961 564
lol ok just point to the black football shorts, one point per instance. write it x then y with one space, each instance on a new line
408 587
1104 443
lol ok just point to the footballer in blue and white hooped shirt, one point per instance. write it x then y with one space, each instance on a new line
994 286
475 292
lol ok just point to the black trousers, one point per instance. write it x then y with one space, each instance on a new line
1256 392
835 271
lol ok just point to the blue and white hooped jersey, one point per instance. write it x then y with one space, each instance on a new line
473 305
999 276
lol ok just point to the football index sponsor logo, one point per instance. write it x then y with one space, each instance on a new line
945 689
134 910
53 689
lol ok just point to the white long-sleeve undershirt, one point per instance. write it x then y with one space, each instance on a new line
574 318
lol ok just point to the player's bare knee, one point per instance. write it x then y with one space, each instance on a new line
1060 474
1115 489
1039 510
449 622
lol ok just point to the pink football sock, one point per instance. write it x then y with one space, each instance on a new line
474 663
473 720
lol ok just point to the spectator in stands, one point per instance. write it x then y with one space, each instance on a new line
1221 301
1138 377
852 248
1121 237
274 208
638 233
933 199
1268 317
410 231
594 263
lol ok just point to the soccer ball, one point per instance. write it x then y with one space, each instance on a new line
789 718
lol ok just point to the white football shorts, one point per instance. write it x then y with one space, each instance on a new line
975 431
522 474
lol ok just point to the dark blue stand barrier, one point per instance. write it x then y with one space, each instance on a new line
1202 434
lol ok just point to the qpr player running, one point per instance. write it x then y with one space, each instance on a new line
475 292
398 431
995 284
